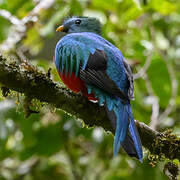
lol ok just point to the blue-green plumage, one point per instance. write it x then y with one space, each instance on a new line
101 66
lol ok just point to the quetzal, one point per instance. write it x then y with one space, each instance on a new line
89 64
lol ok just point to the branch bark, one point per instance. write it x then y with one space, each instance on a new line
27 79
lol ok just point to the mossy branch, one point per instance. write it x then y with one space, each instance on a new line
27 79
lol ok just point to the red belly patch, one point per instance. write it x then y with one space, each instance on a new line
76 85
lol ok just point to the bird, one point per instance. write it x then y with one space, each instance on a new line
88 63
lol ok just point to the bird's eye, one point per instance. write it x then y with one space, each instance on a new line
78 21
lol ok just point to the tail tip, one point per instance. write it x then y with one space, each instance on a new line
115 152
141 160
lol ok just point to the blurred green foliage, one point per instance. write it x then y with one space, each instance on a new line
52 144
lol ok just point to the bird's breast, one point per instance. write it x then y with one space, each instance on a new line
76 84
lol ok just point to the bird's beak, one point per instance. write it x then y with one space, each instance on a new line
60 28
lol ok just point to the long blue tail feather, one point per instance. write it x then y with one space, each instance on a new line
126 133
135 136
128 145
121 126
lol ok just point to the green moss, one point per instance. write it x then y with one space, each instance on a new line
165 146
5 91
171 169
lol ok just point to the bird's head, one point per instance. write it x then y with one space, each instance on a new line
80 24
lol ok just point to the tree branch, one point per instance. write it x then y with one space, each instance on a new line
27 79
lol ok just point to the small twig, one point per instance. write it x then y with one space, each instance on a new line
155 103
19 28
155 113
141 73
11 18
174 86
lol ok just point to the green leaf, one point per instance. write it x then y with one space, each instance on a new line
160 80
